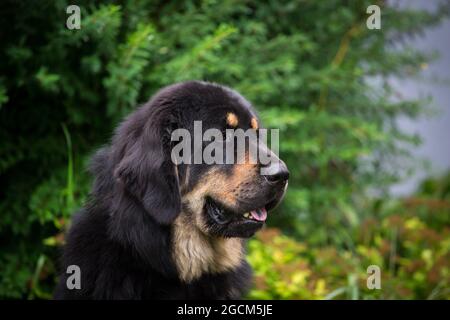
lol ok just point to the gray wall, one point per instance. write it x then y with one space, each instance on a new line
435 131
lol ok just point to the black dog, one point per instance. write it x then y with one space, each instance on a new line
156 230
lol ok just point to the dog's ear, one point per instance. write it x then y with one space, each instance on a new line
145 168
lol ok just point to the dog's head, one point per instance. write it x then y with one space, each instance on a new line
221 198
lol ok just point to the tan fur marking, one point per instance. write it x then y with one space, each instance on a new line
254 123
243 172
229 252
220 186
232 120
196 253
185 183
214 184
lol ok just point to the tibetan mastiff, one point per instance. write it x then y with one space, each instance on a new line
153 229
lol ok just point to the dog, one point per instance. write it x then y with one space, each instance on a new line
155 229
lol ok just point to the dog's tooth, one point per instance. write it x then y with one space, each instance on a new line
247 215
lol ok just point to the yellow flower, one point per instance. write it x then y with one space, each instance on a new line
414 224
299 277
320 288
427 256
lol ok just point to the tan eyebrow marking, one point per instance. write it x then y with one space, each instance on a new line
232 119
254 123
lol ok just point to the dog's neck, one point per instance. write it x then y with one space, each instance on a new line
196 253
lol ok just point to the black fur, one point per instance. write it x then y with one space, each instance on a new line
121 239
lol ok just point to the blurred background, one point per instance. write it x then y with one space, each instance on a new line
364 118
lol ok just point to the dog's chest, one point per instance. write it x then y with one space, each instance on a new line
195 253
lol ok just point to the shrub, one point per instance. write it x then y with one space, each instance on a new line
308 67
409 241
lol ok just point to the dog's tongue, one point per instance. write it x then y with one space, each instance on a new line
259 214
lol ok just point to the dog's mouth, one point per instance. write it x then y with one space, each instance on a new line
258 214
223 215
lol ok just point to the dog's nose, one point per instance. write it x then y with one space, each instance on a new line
277 172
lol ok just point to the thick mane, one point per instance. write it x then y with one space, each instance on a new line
129 224
125 239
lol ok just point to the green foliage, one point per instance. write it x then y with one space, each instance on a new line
310 67
409 240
